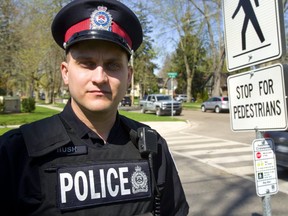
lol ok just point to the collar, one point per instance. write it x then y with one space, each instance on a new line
117 134
73 121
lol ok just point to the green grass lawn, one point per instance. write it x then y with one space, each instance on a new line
193 106
22 118
41 112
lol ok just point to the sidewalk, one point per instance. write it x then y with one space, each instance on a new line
166 127
50 106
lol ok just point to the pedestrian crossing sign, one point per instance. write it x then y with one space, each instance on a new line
254 32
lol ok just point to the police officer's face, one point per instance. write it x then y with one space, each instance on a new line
97 74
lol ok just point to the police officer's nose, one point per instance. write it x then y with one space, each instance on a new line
98 75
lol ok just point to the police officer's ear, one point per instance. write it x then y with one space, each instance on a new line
64 72
130 75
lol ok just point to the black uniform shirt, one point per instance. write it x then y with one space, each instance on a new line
118 134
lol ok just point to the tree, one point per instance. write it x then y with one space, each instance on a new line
9 44
191 51
195 60
39 57
166 66
143 65
184 28
212 16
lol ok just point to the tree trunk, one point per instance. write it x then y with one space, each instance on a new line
189 78
217 90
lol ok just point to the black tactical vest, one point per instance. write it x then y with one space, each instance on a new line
63 176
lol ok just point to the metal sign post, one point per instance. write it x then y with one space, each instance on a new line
172 87
266 204
172 75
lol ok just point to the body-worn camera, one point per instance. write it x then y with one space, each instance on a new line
147 140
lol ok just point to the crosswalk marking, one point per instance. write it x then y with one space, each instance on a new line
232 157
213 151
229 159
211 145
194 141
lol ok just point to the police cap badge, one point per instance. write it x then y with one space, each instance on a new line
108 20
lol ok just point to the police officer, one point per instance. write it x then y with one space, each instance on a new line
90 160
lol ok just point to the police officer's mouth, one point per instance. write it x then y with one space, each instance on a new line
99 92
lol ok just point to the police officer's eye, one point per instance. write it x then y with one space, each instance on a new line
112 66
87 64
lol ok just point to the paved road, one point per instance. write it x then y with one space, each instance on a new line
216 125
216 167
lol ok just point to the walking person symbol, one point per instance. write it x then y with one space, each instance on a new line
249 16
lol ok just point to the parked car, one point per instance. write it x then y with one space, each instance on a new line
217 104
280 139
125 101
183 98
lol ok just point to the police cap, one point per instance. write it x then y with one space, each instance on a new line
107 20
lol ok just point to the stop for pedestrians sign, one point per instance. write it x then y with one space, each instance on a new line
257 99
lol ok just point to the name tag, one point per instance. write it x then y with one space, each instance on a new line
72 150
102 184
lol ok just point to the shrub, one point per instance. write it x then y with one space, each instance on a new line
28 104
199 98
